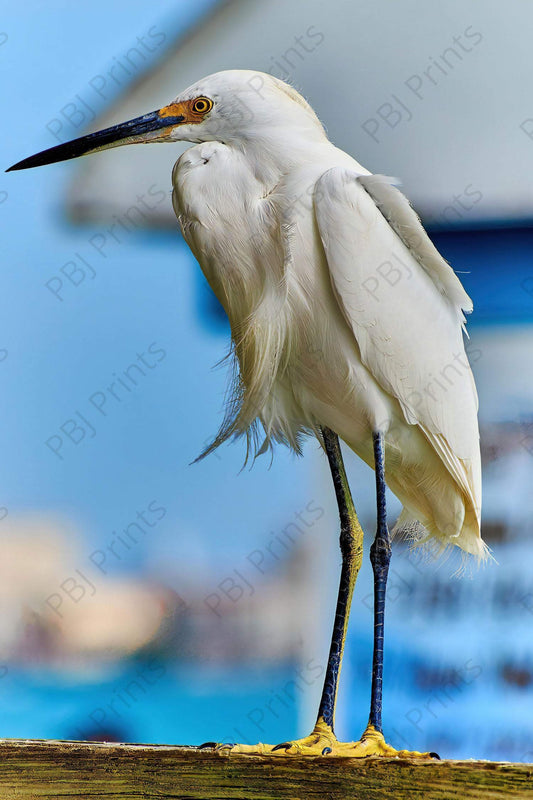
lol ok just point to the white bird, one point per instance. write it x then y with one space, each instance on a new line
345 322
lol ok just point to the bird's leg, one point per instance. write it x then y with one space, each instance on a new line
372 741
322 737
351 544
322 740
380 555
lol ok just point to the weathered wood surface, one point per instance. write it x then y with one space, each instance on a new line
50 769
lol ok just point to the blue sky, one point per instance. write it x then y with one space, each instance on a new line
135 449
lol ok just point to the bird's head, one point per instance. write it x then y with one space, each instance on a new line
234 106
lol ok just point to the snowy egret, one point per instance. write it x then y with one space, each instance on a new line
346 323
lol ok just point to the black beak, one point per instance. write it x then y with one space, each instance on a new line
130 132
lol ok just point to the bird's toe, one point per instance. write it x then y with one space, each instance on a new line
282 746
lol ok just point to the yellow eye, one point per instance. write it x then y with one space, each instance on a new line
202 105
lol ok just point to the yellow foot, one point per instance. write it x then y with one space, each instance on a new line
322 742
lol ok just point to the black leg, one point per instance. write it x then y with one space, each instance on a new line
322 739
351 542
380 554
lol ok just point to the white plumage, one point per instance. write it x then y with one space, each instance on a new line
342 312
345 321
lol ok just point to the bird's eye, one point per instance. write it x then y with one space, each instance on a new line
202 105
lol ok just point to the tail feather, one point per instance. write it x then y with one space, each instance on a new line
435 544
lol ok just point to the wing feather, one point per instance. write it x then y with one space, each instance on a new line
405 306
404 220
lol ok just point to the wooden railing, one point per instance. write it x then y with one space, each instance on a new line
100 771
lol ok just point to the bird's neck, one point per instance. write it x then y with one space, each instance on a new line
272 156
